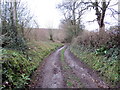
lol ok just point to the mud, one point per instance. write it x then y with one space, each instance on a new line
87 76
53 73
50 74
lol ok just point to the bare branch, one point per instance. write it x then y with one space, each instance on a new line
108 3
113 4
92 21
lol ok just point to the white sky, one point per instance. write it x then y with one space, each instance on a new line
45 12
47 16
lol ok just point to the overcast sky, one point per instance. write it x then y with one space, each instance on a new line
47 16
45 12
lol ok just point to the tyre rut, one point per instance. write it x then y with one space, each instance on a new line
50 75
88 77
53 73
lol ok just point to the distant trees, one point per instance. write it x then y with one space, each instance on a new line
15 18
51 34
72 11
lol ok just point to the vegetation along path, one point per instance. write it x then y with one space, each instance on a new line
69 72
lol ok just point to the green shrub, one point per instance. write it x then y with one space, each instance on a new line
17 67
108 68
101 51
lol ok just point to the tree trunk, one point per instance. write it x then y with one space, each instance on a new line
101 30
101 15
74 18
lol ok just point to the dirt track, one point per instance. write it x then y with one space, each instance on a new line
87 76
52 75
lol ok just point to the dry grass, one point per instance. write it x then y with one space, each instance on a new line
43 34
37 34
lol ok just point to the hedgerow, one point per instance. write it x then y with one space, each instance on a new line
100 53
18 67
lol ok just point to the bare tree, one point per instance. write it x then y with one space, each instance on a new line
15 17
100 13
51 34
72 11
100 7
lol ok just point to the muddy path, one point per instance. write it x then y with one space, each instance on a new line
87 76
67 73
50 74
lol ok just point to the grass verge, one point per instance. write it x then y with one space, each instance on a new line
108 68
18 66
